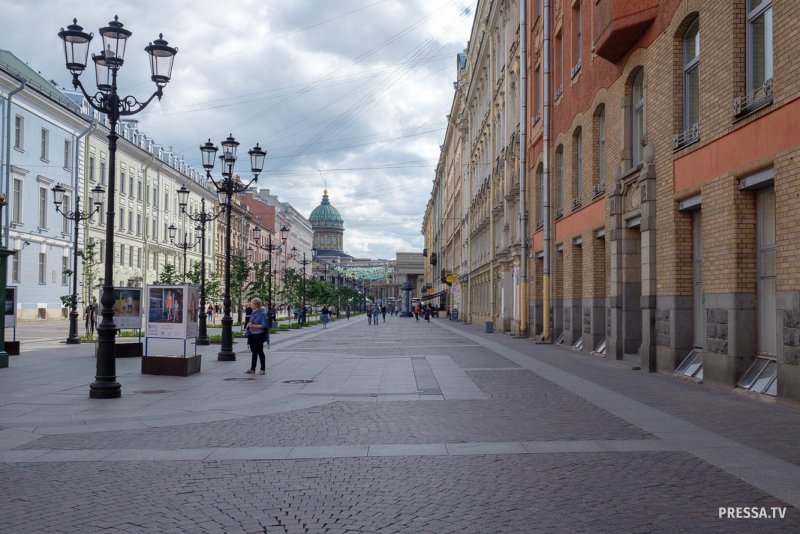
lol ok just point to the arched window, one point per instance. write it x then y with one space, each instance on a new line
600 148
577 167
637 117
691 76
559 180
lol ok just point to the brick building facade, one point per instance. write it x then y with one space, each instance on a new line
672 177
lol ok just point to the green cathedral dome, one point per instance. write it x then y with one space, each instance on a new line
325 212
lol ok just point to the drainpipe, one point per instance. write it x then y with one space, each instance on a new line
7 188
548 230
523 174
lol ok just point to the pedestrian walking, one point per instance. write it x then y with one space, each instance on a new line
369 315
347 312
416 313
210 314
256 336
90 316
375 313
383 312
324 315
428 313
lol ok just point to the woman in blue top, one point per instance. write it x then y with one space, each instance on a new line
257 328
324 316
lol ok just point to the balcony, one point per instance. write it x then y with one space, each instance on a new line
619 25
745 105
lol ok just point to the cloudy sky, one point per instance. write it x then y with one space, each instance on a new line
349 93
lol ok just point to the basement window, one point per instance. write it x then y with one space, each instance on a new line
601 347
691 366
762 377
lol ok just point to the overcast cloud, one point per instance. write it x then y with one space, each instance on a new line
355 92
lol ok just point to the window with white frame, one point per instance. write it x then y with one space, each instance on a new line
691 76
103 173
42 268
130 255
637 117
65 270
66 227
759 43
122 181
44 154
130 184
92 175
16 207
130 222
67 154
16 259
122 254
121 224
42 207
19 132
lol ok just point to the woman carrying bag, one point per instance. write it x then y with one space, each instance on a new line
256 333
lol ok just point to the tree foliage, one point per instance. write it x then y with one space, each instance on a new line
168 275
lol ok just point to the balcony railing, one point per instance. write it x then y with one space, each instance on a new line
598 190
751 102
576 203
685 138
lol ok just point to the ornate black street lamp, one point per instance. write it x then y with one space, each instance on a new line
77 215
184 245
296 257
107 64
270 248
202 218
226 188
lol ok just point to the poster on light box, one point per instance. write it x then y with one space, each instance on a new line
172 312
11 306
127 307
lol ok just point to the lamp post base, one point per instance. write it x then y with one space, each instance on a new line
73 341
226 356
202 341
105 390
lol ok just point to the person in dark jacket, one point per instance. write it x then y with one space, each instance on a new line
256 332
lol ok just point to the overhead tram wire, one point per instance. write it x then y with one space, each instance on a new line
359 107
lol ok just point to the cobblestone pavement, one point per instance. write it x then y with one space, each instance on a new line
406 427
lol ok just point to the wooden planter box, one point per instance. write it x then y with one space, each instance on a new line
128 350
12 348
170 365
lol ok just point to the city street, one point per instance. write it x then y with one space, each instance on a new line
401 427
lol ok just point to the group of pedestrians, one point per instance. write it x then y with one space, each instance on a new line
425 311
375 313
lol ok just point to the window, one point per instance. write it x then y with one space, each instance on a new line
559 180
138 224
66 226
559 65
121 254
67 154
138 257
64 270
155 198
19 133
130 222
130 184
42 207
540 180
101 251
16 208
537 94
576 38
166 201
45 147
101 214
122 181
130 255
155 261
15 261
155 230
92 176
600 153
42 268
577 171
139 190
103 173
765 210
691 76
637 117
759 43
121 224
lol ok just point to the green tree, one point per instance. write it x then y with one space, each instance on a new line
168 275
90 259
259 286
291 291
240 272
213 287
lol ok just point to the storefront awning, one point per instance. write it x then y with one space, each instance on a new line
433 295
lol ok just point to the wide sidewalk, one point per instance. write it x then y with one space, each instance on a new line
399 427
